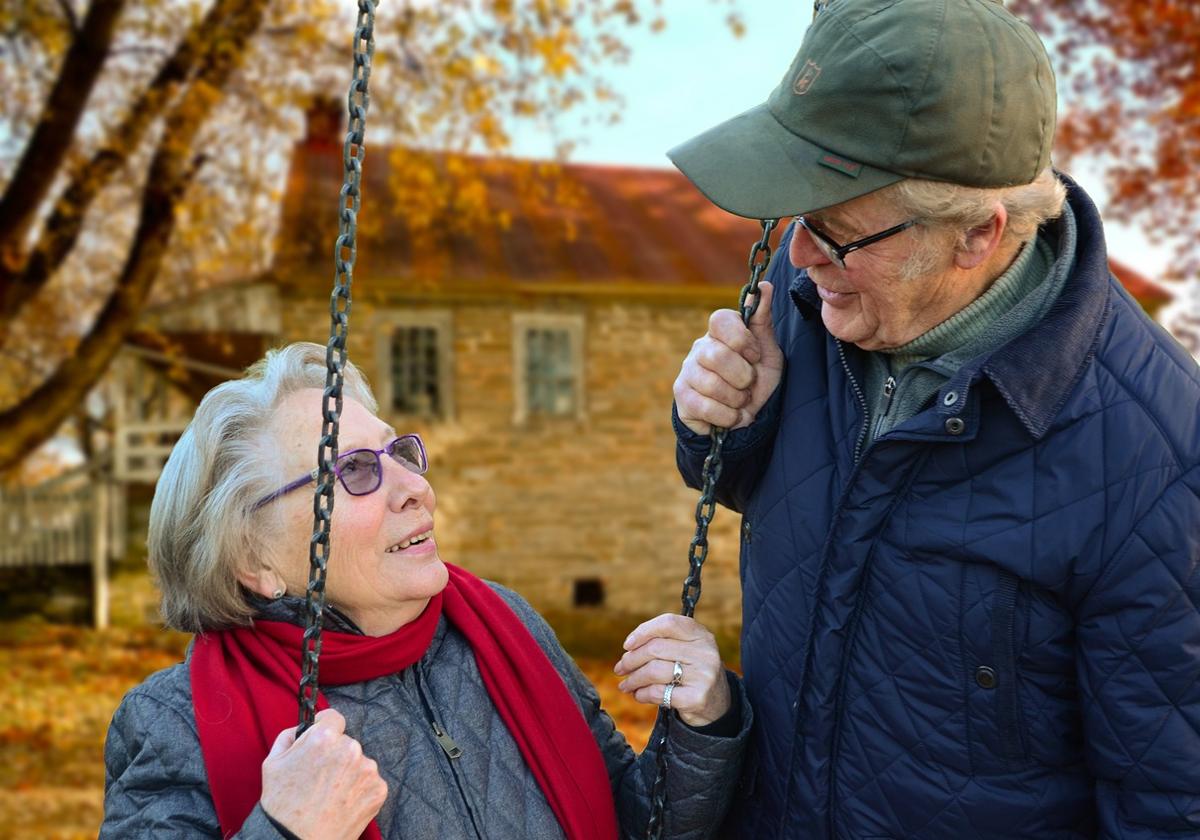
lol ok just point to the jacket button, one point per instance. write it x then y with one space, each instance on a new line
955 425
985 676
951 398
746 530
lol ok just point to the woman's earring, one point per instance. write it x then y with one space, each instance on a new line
277 594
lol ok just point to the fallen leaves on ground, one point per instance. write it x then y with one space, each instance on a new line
63 685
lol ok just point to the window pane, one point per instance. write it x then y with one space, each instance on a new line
415 385
550 372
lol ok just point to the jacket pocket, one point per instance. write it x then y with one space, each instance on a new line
989 632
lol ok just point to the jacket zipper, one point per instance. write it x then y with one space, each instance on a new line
862 401
449 747
889 390
825 549
851 635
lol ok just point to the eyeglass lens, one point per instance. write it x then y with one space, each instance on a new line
407 452
361 471
818 238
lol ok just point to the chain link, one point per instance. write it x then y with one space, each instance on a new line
345 250
748 300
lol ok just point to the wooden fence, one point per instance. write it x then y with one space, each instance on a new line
75 519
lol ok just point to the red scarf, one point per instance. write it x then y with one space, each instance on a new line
244 684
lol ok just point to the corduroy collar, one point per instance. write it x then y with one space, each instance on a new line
1036 372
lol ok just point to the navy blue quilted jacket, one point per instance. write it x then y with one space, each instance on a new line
986 623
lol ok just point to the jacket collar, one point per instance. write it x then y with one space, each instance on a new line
1036 372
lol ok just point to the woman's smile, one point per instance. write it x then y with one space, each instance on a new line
418 544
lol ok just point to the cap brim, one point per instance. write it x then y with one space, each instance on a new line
754 167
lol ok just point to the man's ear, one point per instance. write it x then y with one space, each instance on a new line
980 242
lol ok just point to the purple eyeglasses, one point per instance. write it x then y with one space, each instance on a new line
361 471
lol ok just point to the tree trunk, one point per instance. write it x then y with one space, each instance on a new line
25 277
47 147
37 417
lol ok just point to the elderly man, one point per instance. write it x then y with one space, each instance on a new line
968 465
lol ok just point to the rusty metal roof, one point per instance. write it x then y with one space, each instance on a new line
1147 292
623 230
620 225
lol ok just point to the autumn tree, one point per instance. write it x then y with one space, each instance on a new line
1130 73
142 144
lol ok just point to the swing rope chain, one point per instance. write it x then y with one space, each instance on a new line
345 253
760 257
345 250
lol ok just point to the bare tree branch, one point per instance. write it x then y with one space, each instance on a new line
21 282
51 139
34 419
69 13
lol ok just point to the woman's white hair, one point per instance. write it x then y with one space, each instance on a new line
957 209
202 528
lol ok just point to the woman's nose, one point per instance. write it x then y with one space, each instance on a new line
803 251
404 487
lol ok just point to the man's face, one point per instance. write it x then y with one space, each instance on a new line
876 301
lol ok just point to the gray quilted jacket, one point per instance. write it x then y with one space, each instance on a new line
156 785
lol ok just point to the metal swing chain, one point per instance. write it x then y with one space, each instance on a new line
345 250
760 257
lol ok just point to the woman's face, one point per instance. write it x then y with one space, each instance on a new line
370 577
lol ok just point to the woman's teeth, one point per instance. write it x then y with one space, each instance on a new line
400 546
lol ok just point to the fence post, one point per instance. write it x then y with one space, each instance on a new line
100 537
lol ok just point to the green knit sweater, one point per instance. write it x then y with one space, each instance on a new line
900 382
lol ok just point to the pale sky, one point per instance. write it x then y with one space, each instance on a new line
695 74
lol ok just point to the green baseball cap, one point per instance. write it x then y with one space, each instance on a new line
946 90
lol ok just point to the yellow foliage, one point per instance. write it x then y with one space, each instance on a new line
63 685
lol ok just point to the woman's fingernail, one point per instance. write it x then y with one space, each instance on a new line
628 640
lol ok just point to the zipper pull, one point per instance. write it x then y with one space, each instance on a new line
444 740
889 388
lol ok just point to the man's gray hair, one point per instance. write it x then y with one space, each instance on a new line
202 530
951 208
960 208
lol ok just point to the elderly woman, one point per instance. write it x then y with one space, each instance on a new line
448 707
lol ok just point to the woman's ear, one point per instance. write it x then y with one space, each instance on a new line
980 242
262 580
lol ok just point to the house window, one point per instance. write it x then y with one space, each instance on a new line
416 388
549 365
549 372
413 355
589 592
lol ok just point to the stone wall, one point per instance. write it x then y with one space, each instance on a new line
547 503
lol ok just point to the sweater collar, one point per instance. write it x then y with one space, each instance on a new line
1036 372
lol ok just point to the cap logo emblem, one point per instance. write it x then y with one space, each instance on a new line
808 75
841 164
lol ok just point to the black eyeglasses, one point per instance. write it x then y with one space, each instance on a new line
837 253
361 471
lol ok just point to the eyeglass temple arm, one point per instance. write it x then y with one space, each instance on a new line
283 491
871 240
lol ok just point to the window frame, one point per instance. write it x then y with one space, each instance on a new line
441 321
573 325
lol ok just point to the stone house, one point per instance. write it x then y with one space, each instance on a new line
536 364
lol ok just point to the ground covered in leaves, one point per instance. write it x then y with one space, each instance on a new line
64 682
